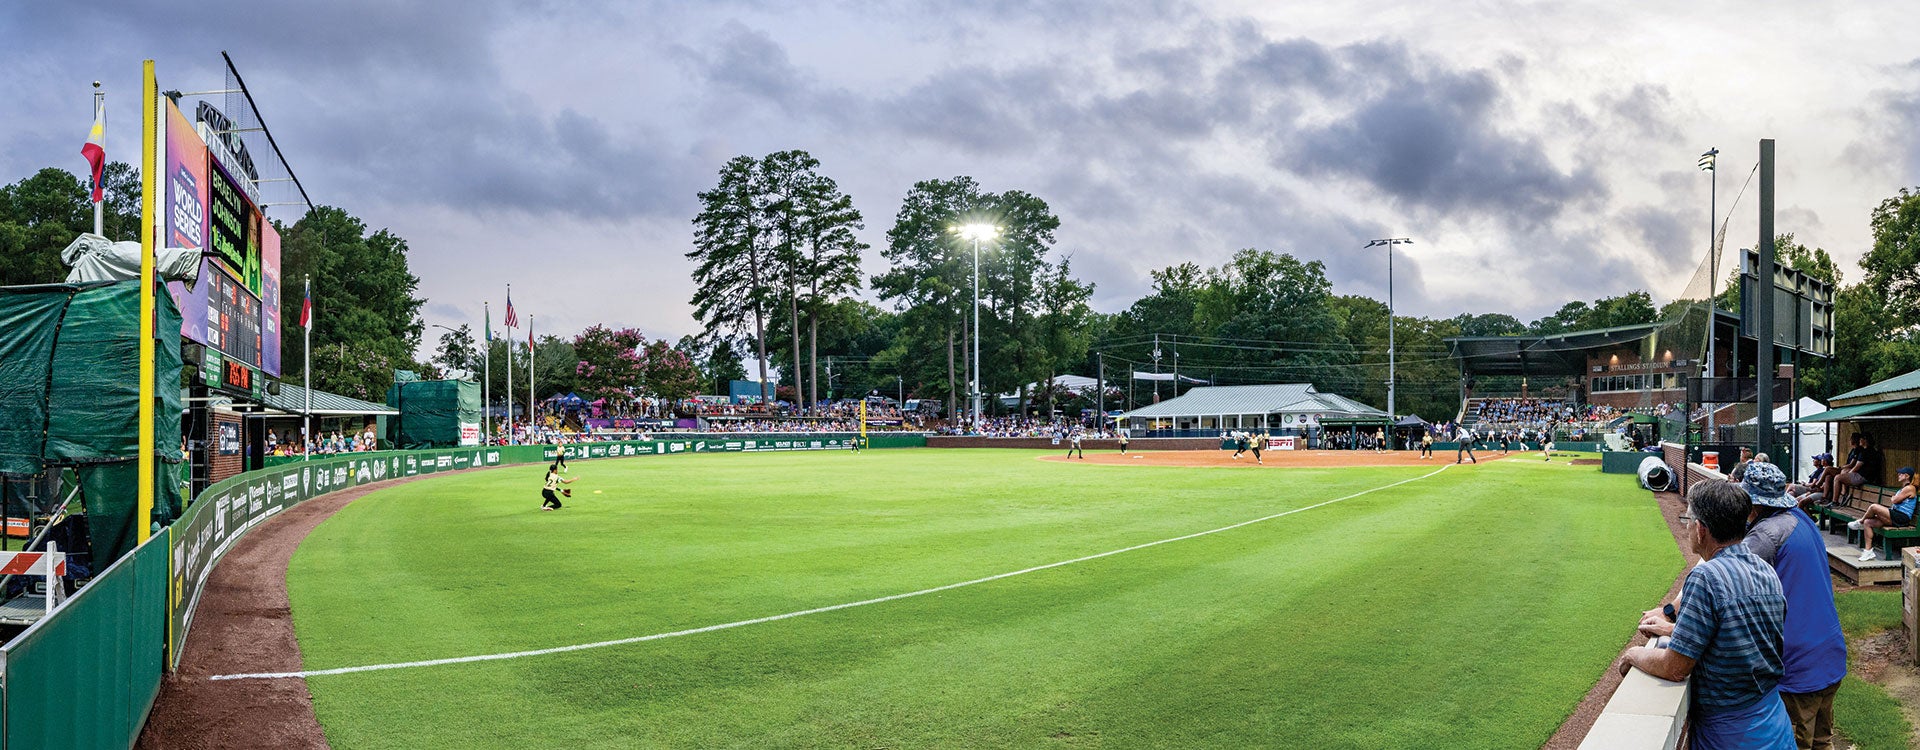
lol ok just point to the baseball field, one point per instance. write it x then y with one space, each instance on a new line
1429 605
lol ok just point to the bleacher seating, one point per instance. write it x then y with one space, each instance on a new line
1854 507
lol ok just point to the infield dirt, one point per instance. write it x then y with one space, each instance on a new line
1277 459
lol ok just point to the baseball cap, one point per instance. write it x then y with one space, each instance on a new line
1907 470
1766 485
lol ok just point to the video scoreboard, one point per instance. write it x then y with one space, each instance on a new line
212 205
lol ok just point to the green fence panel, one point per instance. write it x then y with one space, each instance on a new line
86 676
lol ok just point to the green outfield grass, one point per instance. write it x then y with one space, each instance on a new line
1472 608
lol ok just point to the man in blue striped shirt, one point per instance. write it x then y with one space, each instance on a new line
1727 631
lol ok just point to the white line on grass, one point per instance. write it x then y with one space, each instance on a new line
801 613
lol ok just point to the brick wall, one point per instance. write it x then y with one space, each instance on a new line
221 467
1136 444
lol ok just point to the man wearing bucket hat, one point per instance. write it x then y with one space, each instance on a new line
1814 657
1898 512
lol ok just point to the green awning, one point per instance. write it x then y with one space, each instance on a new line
1848 412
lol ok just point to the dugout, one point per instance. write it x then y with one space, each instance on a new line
69 405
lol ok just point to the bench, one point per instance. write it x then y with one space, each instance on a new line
1892 538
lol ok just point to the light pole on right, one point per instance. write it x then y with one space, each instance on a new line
976 232
1391 380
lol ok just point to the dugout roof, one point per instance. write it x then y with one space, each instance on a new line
1561 354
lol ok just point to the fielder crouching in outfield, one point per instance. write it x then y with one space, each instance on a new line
549 500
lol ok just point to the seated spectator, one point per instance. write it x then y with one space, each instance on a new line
1897 512
1727 631
1862 466
1809 491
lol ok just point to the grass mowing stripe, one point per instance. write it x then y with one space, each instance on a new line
805 612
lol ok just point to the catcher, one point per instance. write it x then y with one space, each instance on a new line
551 501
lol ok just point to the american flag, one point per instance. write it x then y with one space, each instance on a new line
513 321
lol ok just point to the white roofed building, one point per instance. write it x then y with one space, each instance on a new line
1279 409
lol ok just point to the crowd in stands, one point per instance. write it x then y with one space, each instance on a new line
1031 427
1513 414
288 443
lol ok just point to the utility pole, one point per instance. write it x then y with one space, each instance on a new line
1100 387
1176 365
1763 303
1156 368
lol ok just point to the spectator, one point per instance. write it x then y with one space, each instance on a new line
1814 656
1734 472
1898 512
1808 492
1863 466
1726 631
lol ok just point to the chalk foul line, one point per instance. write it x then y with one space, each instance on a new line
801 613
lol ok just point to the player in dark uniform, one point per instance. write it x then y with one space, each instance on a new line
1239 444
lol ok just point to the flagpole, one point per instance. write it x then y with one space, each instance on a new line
510 321
530 394
306 423
99 115
486 369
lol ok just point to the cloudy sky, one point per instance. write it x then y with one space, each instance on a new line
1536 152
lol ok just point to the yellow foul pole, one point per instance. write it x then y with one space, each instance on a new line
149 215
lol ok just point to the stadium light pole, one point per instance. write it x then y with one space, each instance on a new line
1707 162
976 232
1389 243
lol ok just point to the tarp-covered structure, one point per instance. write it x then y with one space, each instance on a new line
69 397
434 413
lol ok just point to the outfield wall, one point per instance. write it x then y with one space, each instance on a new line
87 676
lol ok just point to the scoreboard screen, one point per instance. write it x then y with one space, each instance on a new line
233 319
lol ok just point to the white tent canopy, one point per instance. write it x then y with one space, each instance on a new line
1810 438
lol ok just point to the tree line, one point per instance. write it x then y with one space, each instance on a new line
779 283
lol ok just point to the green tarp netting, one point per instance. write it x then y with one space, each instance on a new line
69 369
432 413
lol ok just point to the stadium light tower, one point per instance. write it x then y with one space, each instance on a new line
1389 243
976 232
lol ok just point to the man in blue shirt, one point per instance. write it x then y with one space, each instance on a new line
1727 631
1815 657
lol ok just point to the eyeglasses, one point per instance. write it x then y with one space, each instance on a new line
1685 519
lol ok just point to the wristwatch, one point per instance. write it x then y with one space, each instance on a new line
1671 613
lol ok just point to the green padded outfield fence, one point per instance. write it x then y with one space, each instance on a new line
86 676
